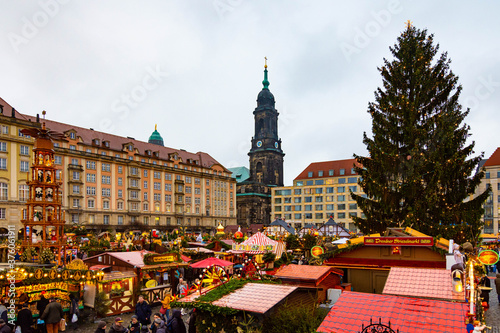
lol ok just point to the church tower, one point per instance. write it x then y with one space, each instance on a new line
253 194
266 156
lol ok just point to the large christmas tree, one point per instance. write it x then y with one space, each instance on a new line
419 172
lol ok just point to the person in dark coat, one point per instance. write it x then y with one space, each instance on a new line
135 326
52 316
153 326
73 310
159 326
25 319
175 323
40 306
192 321
143 311
101 327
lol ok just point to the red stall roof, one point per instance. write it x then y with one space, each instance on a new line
409 315
306 272
255 297
421 282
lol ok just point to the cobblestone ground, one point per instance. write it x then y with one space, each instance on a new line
91 327
493 313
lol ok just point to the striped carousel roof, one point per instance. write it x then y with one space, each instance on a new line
259 239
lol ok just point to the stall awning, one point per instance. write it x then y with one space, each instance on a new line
116 275
211 261
185 258
164 266
99 267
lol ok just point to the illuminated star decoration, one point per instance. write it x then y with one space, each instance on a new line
409 24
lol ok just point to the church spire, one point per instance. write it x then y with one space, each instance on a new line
265 82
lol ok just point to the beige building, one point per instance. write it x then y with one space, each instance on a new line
492 204
116 183
321 191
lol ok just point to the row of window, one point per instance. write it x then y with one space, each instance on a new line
328 181
75 218
310 174
308 216
91 178
352 206
24 165
487 175
23 150
134 206
317 190
326 198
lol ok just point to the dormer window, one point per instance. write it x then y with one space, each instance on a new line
72 135
156 154
130 147
148 152
106 144
96 141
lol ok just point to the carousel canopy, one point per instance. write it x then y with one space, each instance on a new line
210 262
259 244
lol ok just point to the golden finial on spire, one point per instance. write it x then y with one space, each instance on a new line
156 126
409 24
44 113
265 62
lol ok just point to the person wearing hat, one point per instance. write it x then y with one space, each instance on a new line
118 327
4 328
176 324
101 327
25 319
153 327
160 326
135 326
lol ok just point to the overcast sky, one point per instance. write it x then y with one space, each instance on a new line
195 68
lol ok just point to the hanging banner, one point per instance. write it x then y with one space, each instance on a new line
405 241
488 257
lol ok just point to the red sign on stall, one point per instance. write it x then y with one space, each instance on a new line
399 241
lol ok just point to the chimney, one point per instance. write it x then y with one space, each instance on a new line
37 117
1 108
13 113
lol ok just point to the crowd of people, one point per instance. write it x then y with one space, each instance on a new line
143 321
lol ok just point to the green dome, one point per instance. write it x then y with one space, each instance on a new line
156 138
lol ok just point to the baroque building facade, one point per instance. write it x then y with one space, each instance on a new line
266 162
116 183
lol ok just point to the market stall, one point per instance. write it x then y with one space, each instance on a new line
33 281
153 275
